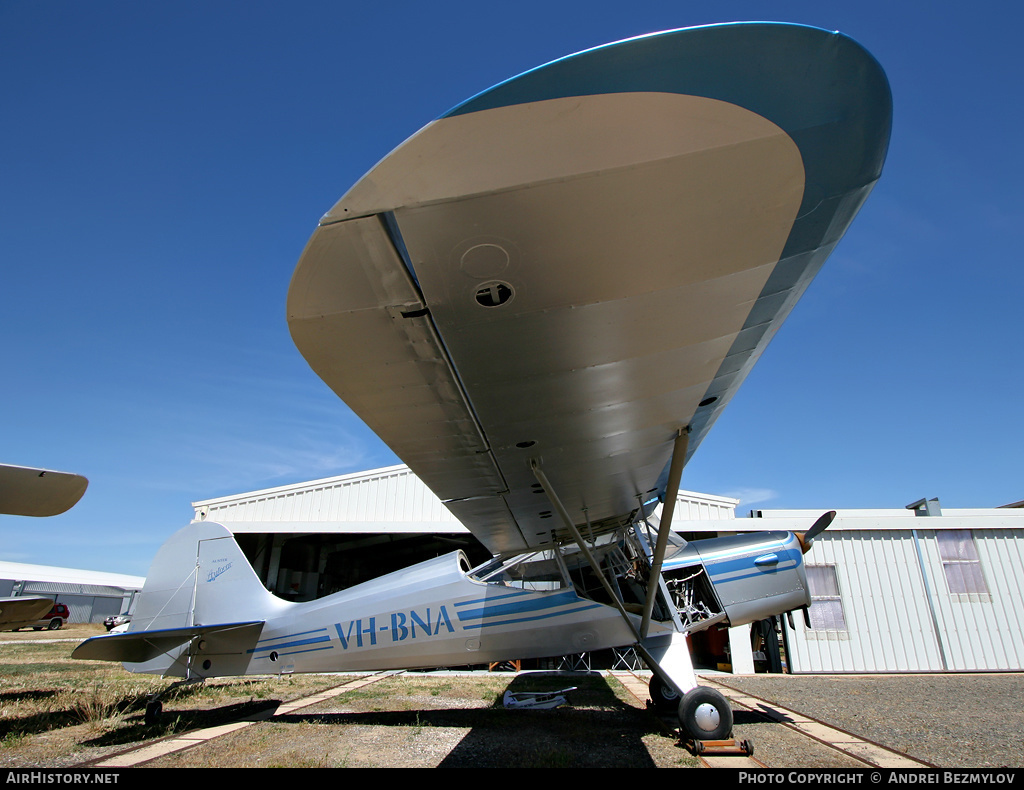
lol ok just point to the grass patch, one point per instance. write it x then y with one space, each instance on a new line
53 706
58 712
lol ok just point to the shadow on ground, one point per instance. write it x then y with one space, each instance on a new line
595 729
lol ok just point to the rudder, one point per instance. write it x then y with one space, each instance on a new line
199 577
199 614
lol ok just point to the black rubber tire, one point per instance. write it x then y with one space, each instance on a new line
55 623
695 721
663 696
153 711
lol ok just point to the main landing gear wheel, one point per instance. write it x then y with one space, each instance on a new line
663 696
705 715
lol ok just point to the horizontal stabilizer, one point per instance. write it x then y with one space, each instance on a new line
140 646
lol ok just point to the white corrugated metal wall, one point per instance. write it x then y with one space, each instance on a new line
901 615
392 495
692 506
982 632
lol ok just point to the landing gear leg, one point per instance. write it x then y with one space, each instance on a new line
704 713
154 707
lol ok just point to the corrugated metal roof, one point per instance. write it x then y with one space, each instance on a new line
19 571
391 499
43 587
894 518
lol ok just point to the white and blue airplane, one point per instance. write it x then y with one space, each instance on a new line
542 301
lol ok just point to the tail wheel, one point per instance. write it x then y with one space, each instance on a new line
663 696
153 711
705 715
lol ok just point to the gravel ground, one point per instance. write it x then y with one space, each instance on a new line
950 721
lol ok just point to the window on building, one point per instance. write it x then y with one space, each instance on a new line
960 561
826 606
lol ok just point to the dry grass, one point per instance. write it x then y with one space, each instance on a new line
58 712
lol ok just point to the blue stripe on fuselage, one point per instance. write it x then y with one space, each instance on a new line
526 604
731 570
586 605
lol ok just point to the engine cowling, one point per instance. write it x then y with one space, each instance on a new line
737 579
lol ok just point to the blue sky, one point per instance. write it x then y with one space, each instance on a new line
162 166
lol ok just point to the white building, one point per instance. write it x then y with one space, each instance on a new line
89 595
905 590
919 589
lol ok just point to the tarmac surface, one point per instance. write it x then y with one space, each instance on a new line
944 720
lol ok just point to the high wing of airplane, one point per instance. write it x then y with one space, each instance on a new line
21 611
27 491
541 302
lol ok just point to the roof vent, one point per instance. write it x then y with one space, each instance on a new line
925 507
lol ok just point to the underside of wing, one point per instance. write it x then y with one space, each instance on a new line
573 266
26 491
23 610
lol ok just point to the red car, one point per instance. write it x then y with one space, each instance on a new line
56 618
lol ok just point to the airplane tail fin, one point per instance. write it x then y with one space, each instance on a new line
200 611
198 577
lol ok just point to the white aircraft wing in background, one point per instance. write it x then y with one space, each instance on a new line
26 491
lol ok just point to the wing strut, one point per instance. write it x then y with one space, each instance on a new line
675 473
576 536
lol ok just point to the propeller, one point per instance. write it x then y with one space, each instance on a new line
819 526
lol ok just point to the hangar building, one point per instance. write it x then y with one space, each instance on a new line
914 589
90 596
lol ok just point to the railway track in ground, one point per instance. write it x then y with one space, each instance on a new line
861 750
637 686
